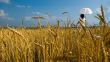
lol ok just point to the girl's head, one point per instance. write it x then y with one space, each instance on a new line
82 16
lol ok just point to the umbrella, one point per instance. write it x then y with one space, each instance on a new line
86 11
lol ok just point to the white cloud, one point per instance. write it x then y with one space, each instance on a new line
28 6
6 18
106 10
4 15
98 10
20 6
35 12
23 6
27 18
45 15
5 1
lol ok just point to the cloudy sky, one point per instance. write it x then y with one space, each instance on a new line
13 11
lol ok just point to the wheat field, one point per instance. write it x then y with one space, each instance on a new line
56 44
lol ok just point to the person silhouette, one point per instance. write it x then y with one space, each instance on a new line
82 21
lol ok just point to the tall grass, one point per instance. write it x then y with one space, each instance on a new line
56 44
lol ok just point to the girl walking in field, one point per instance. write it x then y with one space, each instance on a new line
82 21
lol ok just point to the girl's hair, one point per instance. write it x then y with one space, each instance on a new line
82 16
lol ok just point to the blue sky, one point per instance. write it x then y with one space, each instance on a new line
13 11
